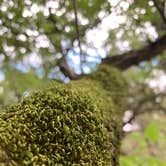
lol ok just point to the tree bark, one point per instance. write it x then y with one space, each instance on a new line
125 60
128 59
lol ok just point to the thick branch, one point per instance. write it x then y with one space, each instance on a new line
66 70
126 60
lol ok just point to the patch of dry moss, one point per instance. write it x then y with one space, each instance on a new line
77 124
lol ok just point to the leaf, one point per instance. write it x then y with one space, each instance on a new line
152 132
127 161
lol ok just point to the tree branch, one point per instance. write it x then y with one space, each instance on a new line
138 108
126 60
65 68
77 31
160 9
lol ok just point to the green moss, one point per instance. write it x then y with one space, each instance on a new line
66 125
112 81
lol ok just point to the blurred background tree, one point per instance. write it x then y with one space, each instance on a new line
46 40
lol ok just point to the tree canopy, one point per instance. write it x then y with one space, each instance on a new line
53 32
46 40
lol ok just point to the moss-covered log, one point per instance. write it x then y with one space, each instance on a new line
75 124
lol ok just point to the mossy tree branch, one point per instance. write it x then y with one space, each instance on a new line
67 124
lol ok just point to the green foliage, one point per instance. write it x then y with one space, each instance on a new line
138 161
152 132
73 124
147 15
141 150
17 84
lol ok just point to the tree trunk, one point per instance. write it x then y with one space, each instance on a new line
67 124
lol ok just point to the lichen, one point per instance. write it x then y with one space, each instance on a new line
75 124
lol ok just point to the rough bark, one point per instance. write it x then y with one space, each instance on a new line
131 58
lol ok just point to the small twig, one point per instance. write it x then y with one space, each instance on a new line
78 32
137 110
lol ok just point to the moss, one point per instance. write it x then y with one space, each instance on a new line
112 81
66 125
